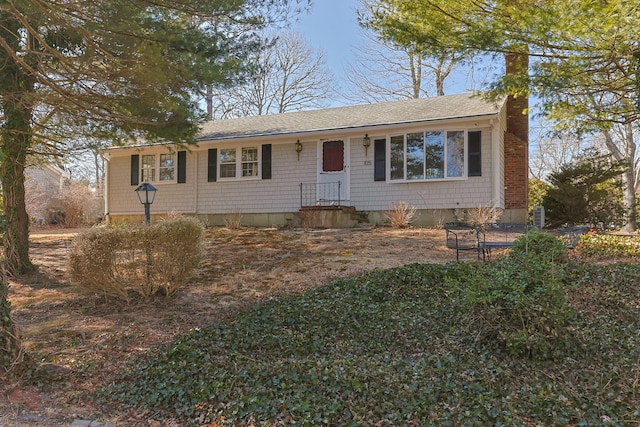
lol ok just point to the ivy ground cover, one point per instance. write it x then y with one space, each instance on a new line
401 347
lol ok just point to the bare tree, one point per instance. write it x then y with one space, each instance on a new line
288 76
383 71
620 141
86 165
550 150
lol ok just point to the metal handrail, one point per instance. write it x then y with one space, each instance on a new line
320 194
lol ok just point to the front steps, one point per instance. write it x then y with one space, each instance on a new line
331 217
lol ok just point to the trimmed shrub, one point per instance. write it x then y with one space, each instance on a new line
542 246
146 260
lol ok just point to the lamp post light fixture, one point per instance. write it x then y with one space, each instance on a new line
146 193
366 143
298 148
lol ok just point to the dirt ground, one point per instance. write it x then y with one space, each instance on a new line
84 339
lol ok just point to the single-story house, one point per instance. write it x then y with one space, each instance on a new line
441 155
43 184
49 178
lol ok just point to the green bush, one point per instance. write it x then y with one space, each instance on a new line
137 259
610 245
541 246
588 191
519 302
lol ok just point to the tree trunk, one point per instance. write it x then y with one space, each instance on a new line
629 182
629 200
627 154
209 101
15 143
17 96
12 358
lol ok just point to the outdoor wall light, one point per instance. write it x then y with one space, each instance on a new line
298 148
146 193
366 143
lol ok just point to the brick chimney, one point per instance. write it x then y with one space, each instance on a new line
516 146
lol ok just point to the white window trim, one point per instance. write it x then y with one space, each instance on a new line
445 178
239 177
157 179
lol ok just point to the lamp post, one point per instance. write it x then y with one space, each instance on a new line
146 193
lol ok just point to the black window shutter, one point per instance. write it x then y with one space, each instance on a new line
182 167
380 160
266 161
135 168
475 153
212 165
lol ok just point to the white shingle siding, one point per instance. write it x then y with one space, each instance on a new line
281 193
171 197
370 195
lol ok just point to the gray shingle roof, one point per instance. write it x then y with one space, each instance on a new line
386 113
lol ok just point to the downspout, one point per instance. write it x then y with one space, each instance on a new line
497 168
196 184
105 195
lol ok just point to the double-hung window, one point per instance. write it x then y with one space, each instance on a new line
239 162
158 167
148 172
167 169
250 161
428 155
228 163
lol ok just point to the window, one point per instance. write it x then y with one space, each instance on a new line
239 162
333 156
397 157
228 163
148 168
455 154
250 161
433 155
166 167
415 156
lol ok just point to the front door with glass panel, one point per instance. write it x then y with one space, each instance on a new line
332 187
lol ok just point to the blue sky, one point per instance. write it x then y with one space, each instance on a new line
331 25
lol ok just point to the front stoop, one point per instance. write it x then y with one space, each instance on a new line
331 217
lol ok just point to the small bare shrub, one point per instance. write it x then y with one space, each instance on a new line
483 215
441 217
36 200
233 221
73 203
401 214
135 258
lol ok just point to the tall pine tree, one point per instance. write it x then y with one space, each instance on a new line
583 57
109 69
